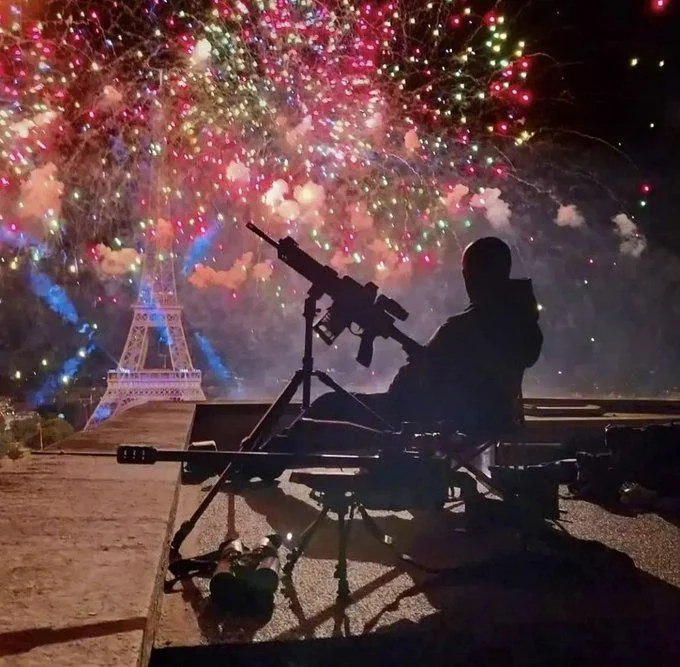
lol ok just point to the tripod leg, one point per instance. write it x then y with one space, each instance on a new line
344 523
270 419
188 525
303 542
263 428
332 384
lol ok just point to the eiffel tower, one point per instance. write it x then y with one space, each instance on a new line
157 310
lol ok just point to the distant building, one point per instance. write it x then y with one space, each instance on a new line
15 412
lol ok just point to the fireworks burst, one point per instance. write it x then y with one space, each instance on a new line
351 124
377 132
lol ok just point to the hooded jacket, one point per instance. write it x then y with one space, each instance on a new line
470 372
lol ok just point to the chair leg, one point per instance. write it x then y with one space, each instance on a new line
304 541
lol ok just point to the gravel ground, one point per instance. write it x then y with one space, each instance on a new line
627 577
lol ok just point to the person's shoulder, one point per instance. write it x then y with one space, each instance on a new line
457 324
460 319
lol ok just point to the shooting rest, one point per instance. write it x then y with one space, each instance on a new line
344 494
407 480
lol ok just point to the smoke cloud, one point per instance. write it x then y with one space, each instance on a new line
276 193
201 54
237 172
205 276
360 217
569 216
41 193
411 141
263 270
340 260
111 96
633 242
496 210
23 127
390 266
375 121
453 199
310 196
295 136
117 262
288 209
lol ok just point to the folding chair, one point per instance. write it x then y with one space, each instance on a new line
466 450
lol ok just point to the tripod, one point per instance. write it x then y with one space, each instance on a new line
267 426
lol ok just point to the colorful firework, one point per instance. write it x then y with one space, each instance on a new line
376 133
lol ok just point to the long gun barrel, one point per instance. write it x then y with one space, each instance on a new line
289 251
147 455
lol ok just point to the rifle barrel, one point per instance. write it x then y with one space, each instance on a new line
283 459
80 452
262 235
145 454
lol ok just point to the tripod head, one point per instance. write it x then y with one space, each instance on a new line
353 303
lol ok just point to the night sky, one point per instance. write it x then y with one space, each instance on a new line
597 89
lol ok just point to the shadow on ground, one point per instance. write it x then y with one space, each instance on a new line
566 600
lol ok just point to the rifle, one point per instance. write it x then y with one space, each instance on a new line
353 303
210 457
392 479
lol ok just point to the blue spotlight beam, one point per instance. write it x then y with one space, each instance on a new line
214 362
199 249
53 295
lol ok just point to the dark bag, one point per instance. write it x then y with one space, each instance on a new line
647 455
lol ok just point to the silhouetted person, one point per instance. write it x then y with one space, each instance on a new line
469 374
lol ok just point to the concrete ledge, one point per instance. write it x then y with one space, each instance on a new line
84 542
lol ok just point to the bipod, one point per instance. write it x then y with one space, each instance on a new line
344 501
268 425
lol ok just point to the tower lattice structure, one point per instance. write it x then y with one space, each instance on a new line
157 307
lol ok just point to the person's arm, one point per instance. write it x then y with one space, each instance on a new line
533 345
413 376
529 336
